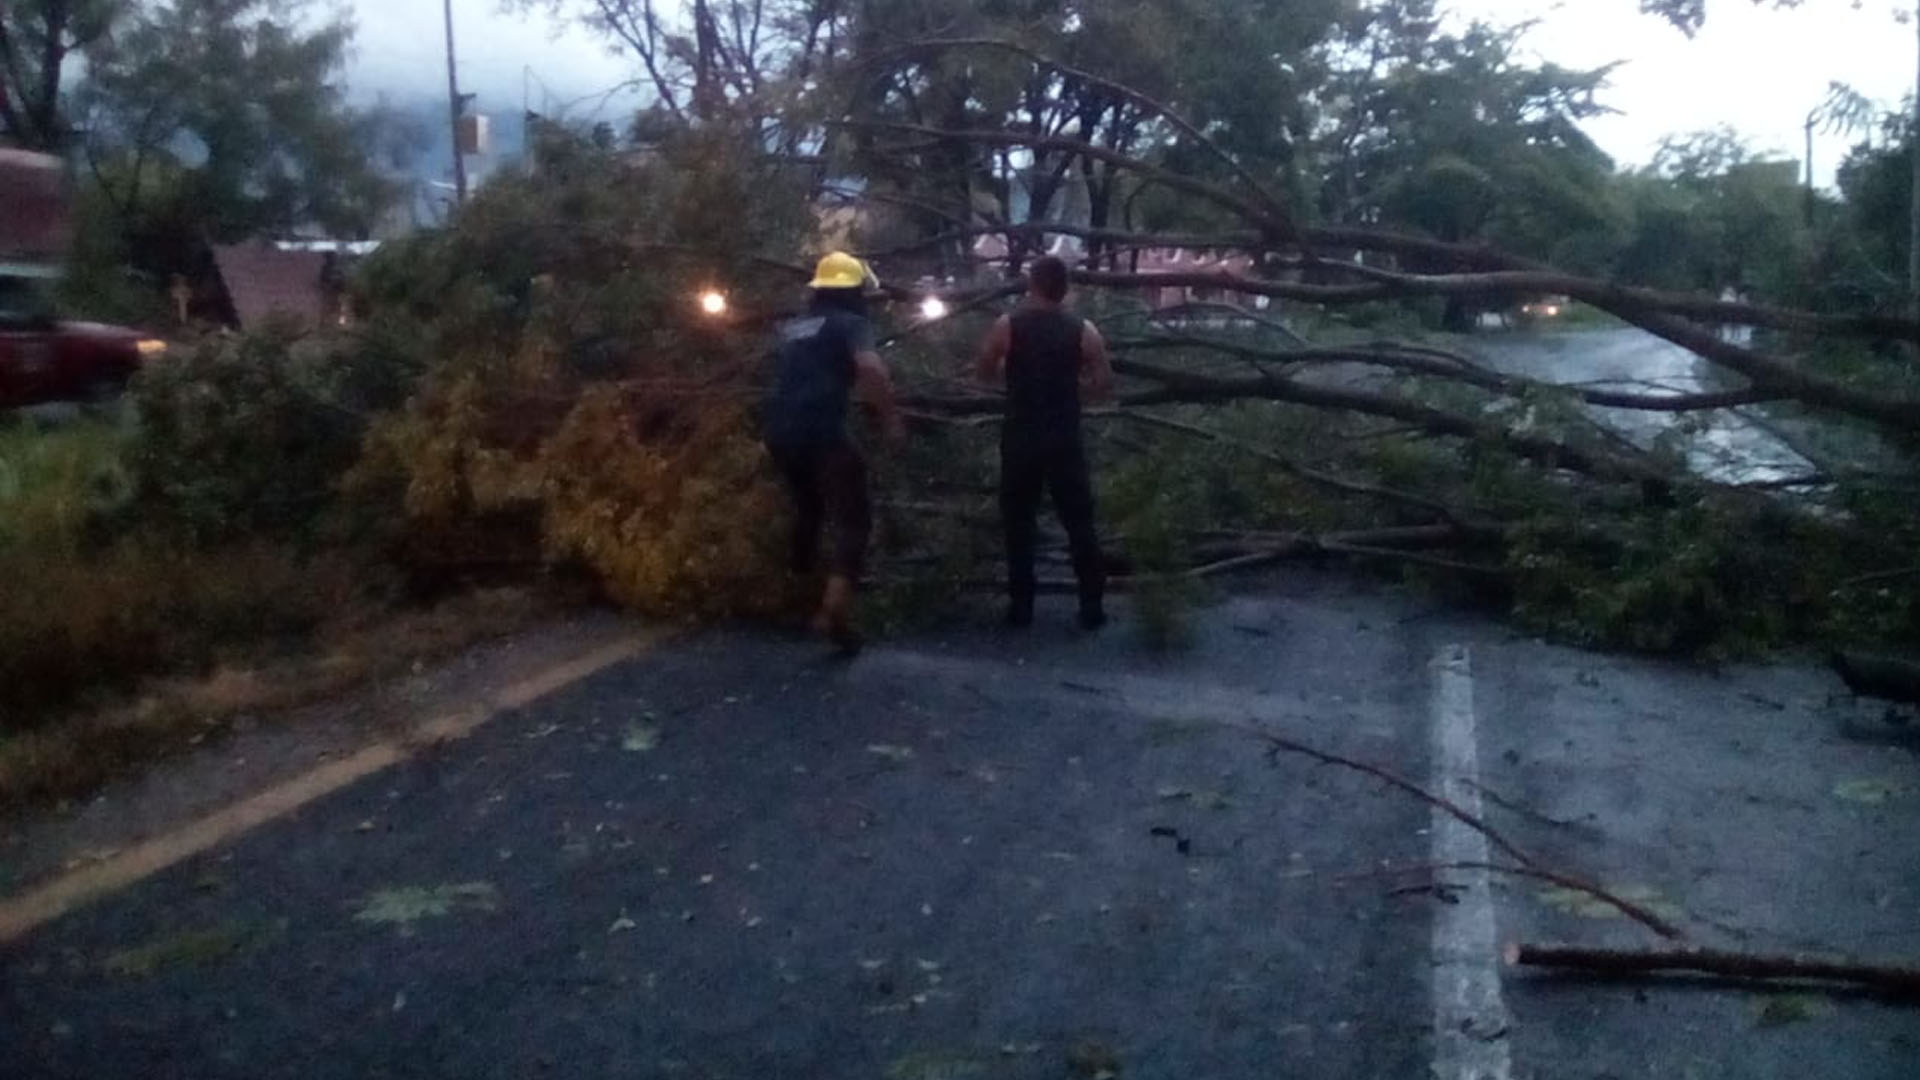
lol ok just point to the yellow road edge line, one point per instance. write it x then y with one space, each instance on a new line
22 914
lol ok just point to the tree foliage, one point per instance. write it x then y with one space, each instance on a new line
195 121
574 400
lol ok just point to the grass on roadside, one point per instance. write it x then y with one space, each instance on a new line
84 612
91 617
84 749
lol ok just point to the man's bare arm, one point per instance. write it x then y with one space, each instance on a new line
873 386
1096 369
991 366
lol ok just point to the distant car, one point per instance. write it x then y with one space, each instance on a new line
45 359
1547 308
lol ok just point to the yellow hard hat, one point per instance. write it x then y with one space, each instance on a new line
839 270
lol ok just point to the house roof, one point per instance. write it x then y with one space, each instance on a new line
262 280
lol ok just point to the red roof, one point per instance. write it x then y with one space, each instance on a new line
33 212
262 280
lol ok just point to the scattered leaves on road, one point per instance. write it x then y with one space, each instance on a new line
409 904
1588 906
1093 1060
891 752
186 947
1868 792
936 1065
640 738
1779 1010
1211 800
621 924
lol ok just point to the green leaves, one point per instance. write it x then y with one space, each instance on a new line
1588 906
1868 792
1779 1010
405 905
187 948
296 154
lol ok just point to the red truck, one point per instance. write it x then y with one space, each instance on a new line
44 358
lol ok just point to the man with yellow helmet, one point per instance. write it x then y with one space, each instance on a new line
825 360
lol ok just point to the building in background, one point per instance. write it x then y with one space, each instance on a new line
302 283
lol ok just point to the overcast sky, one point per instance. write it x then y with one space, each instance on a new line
1756 69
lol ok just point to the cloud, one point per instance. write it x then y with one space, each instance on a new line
400 50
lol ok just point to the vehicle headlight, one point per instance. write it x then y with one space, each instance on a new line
150 348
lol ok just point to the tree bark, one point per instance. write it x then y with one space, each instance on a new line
1898 979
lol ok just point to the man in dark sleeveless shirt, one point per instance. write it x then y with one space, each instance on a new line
825 360
1046 355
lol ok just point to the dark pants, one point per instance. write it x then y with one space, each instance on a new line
829 485
1025 470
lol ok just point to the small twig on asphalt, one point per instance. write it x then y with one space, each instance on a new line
1280 743
1529 866
1631 910
1504 803
1626 907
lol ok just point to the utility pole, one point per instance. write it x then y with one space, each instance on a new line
1806 200
1913 221
454 109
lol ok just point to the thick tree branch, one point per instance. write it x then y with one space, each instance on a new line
1442 365
1608 295
1653 312
1492 284
1891 978
1176 385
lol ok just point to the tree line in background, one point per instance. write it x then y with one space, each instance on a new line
190 123
1365 113
1360 112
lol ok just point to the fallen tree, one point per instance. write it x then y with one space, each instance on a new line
1546 502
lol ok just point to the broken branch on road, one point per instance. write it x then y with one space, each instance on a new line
1889 978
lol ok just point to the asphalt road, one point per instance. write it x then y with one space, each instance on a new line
1732 445
1044 855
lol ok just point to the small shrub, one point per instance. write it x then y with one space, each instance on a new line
249 435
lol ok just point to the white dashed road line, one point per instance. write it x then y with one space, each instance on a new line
1470 1020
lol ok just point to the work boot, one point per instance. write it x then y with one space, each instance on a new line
1020 612
835 619
1093 614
